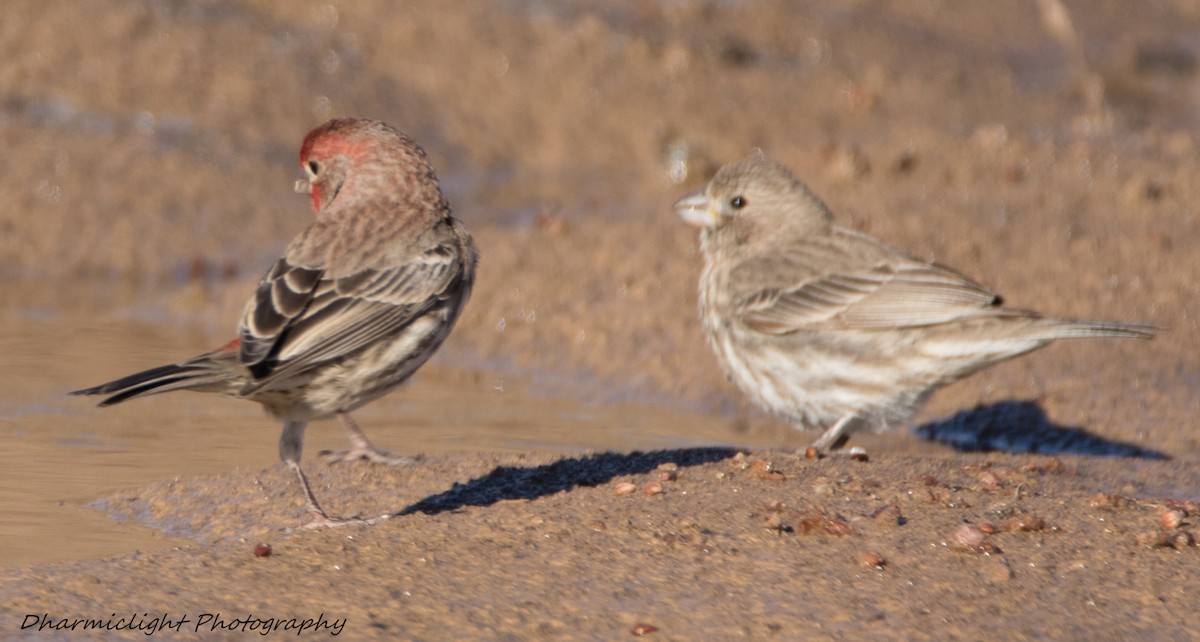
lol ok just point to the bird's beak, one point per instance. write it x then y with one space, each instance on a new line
302 186
696 210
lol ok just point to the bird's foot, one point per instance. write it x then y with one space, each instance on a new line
832 439
361 448
321 520
366 453
855 453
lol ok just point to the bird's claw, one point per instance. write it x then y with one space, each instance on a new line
369 453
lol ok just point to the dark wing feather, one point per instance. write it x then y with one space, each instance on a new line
338 316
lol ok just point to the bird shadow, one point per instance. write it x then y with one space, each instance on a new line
1022 427
515 482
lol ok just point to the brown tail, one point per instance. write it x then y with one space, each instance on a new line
1081 328
208 372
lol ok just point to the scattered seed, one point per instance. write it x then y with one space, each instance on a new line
642 629
653 488
824 524
262 550
812 453
667 475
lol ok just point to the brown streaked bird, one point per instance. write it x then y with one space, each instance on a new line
833 329
359 301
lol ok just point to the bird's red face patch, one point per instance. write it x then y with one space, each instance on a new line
332 139
314 194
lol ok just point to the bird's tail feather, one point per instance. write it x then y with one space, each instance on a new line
1086 328
215 371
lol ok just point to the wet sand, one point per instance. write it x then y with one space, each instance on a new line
150 156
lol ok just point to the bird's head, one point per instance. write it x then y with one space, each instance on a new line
753 194
354 160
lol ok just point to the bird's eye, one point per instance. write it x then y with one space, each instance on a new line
314 167
737 202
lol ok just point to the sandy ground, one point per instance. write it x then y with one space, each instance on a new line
150 152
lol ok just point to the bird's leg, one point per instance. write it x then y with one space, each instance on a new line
362 448
835 436
291 444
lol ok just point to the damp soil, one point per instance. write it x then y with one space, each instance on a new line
586 471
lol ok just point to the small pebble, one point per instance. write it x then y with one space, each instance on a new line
624 488
999 572
1030 523
1171 518
765 470
1106 500
1177 540
774 505
969 537
871 559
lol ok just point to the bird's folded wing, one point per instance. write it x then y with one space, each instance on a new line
300 317
881 297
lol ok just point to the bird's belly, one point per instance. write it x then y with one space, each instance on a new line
365 376
815 383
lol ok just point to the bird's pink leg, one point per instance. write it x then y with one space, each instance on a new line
835 436
361 448
291 444
320 519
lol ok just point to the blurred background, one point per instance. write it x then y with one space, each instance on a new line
1046 148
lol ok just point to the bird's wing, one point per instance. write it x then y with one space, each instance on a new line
300 316
887 295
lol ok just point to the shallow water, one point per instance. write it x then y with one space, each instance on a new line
64 452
